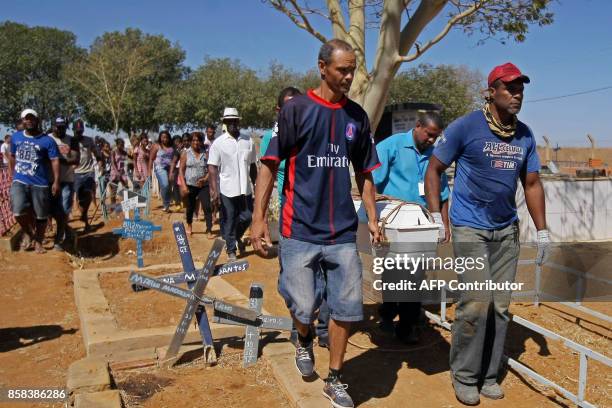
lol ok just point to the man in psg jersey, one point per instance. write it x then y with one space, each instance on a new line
319 134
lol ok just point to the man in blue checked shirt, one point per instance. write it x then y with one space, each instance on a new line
404 158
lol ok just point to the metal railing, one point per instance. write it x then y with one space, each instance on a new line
584 352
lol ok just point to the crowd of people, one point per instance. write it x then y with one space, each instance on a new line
89 166
317 136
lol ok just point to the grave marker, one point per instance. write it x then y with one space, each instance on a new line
130 203
192 304
251 334
189 268
236 312
223 312
189 277
139 230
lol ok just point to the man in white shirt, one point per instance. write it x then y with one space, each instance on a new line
231 162
5 150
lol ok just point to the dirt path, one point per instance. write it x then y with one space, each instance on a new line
39 334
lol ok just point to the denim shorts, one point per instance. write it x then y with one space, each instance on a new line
24 196
298 283
62 203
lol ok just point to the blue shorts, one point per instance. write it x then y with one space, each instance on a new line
299 279
25 196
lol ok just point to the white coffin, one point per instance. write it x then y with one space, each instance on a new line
408 230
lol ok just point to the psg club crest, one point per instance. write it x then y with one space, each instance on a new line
351 129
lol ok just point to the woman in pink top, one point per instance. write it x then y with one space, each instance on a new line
141 161
118 171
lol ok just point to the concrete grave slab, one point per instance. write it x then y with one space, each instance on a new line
103 399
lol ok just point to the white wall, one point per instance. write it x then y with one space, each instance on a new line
576 210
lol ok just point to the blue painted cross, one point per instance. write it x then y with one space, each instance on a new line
189 268
138 230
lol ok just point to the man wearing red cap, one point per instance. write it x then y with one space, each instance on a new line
492 150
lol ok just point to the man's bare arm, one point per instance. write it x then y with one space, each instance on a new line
11 167
534 198
264 186
432 183
367 190
212 180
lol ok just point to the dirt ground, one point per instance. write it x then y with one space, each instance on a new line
38 342
39 333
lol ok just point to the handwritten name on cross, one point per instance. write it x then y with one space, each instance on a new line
138 230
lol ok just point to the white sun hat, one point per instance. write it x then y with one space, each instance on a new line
230 113
27 112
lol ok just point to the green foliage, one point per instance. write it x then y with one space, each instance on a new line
455 88
124 76
509 19
219 83
32 62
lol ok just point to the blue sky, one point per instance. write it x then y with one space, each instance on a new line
574 54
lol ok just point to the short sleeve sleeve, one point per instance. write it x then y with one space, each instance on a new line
381 174
265 141
213 155
52 150
363 153
450 144
532 160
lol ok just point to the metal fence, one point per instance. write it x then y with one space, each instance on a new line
584 353
6 214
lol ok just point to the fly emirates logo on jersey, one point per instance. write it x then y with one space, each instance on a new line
331 158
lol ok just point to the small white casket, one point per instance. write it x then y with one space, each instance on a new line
408 230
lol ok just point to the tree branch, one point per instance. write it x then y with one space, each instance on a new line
451 22
425 12
337 19
357 23
304 24
388 35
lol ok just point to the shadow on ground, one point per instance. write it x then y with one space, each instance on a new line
13 338
104 245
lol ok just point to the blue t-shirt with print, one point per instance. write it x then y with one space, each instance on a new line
488 168
32 158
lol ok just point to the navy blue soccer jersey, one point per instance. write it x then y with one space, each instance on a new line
319 139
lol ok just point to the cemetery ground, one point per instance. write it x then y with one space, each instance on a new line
41 335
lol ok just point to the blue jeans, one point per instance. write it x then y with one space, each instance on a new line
62 204
322 326
236 215
299 282
164 184
84 187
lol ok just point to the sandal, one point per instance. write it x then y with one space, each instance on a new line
27 244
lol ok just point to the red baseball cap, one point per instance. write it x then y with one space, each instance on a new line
507 72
